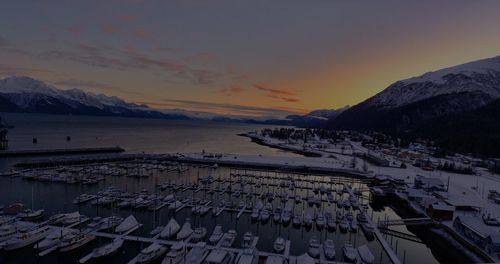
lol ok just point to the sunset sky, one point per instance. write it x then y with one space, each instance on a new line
241 57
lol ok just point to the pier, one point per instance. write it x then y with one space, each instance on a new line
55 152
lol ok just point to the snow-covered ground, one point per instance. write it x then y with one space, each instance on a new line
472 189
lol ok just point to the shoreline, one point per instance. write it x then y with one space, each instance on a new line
263 143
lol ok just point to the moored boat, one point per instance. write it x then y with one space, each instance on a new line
170 229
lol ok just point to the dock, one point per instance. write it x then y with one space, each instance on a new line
55 152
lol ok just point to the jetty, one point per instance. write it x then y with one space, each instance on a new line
55 152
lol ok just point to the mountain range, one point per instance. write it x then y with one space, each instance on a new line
458 107
28 95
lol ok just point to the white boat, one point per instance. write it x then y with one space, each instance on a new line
157 230
185 231
108 223
344 226
204 210
264 215
313 248
273 259
304 259
297 220
29 215
353 226
298 199
175 205
70 218
199 234
277 214
350 253
176 254
285 217
75 241
362 217
247 256
255 214
216 235
365 254
308 220
320 220
7 231
247 240
169 198
279 245
83 198
21 240
108 249
219 256
369 230
147 255
54 238
195 255
228 238
329 249
170 229
128 224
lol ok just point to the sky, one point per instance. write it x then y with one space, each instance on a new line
255 58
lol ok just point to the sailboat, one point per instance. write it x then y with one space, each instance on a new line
75 241
54 238
170 229
108 249
216 235
149 254
31 214
185 231
129 223
21 240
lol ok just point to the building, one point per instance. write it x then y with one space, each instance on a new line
441 211
429 184
475 231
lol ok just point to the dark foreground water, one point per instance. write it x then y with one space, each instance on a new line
159 136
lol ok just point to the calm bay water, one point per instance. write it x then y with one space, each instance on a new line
132 134
161 136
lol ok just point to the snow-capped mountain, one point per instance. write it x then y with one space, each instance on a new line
326 113
406 104
482 76
24 94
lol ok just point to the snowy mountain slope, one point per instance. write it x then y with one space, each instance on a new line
478 76
409 103
24 94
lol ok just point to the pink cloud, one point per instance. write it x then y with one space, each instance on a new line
74 29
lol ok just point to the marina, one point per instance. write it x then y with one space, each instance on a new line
276 208
226 192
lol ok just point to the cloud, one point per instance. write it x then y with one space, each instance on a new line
4 42
12 70
278 94
132 59
73 83
74 29
263 87
245 110
143 34
109 29
233 89
173 50
127 18
204 57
